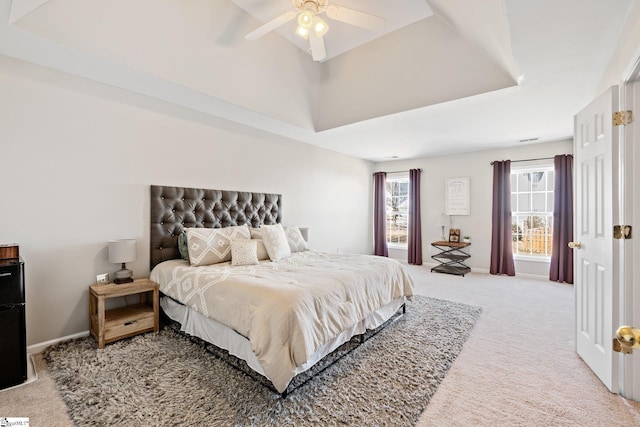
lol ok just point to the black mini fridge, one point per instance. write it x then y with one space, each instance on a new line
13 340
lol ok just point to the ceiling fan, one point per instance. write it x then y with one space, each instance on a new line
312 27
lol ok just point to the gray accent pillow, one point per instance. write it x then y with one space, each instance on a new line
183 246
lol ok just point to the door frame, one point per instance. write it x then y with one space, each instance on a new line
629 213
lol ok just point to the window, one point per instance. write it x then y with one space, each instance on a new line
532 211
397 197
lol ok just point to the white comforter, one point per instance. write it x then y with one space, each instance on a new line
287 309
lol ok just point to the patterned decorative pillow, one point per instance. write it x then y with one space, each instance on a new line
244 252
295 239
213 245
275 241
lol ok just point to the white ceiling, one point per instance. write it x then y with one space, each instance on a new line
429 85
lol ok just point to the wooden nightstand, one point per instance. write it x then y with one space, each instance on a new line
111 325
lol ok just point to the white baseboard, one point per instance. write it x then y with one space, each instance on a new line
39 347
486 271
532 276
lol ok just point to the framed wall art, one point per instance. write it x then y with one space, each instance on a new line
457 196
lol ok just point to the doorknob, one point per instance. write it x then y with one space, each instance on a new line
575 245
627 338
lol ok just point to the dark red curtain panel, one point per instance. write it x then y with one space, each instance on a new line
380 215
501 251
561 269
415 227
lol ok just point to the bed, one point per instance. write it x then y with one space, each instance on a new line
281 314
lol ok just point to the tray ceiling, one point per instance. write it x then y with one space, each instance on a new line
376 96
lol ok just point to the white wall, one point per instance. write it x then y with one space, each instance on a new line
475 165
626 52
76 162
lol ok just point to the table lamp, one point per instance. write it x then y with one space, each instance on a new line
121 252
445 221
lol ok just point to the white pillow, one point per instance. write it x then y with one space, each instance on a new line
213 245
244 252
275 241
295 239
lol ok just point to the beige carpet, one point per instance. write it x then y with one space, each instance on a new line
38 400
518 367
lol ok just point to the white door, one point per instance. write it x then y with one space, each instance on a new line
630 388
596 285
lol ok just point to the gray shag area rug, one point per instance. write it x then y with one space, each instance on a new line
166 379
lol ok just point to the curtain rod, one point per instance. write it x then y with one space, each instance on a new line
531 160
420 169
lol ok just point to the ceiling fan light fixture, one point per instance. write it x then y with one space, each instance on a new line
320 27
305 19
312 28
302 32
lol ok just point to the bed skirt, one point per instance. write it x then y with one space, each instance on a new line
196 324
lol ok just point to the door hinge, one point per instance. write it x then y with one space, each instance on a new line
623 232
621 118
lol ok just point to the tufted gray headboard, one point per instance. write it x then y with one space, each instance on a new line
173 208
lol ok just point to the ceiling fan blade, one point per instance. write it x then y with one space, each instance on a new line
271 25
355 17
318 51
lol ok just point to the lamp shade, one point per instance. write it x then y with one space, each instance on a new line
122 251
445 220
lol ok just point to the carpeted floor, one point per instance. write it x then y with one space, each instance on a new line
166 379
518 368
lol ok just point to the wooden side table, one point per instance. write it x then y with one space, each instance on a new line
451 258
111 325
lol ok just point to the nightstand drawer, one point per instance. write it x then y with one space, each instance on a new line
127 321
123 329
